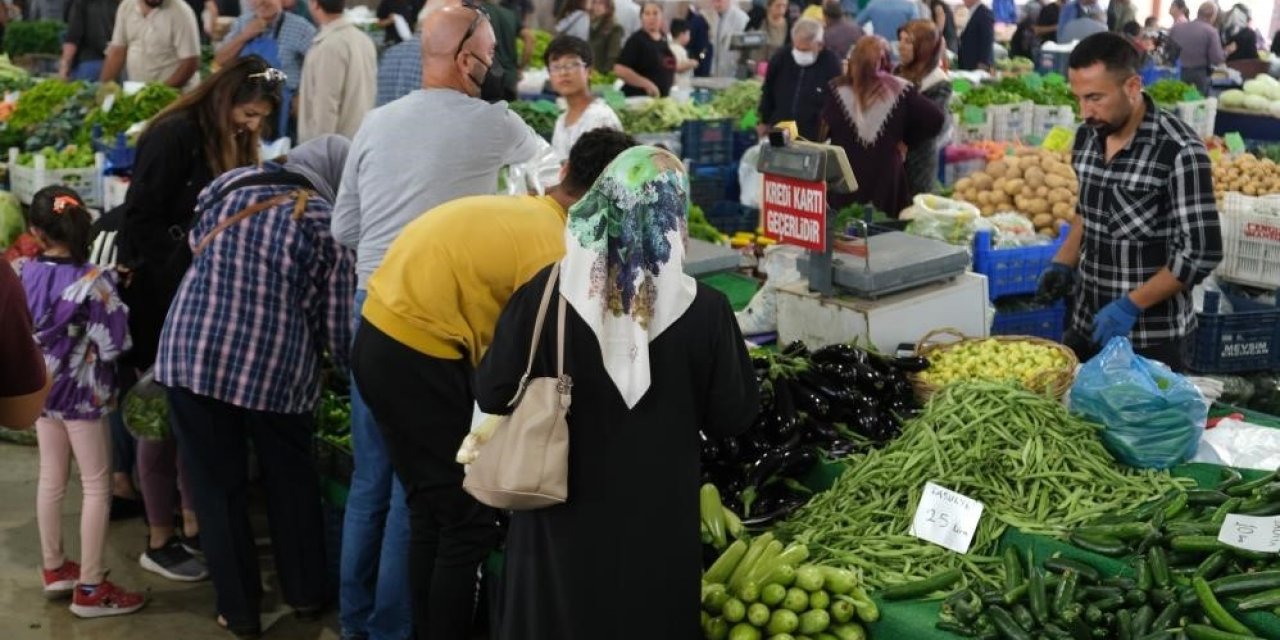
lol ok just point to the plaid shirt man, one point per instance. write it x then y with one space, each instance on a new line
261 304
1151 207
400 71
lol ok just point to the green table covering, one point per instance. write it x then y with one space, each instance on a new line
738 288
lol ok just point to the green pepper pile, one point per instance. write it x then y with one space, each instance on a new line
662 115
333 419
738 100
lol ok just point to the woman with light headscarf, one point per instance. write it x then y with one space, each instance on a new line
920 52
267 298
877 118
1240 41
655 357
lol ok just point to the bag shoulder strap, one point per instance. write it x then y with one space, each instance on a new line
537 332
300 205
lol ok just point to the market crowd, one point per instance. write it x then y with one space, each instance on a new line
377 246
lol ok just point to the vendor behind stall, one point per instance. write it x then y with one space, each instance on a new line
646 63
797 81
1147 226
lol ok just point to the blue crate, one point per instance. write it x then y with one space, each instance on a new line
1012 272
119 155
1246 339
1152 74
730 217
1044 322
709 184
707 141
743 140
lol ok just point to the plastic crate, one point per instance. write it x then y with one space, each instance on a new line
24 182
668 140
743 140
1012 272
711 184
119 155
730 217
1043 322
1250 240
1046 118
1011 122
1152 74
1246 339
1200 115
966 133
707 141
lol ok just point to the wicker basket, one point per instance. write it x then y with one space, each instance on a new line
1056 382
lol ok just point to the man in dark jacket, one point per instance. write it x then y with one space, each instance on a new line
979 37
797 80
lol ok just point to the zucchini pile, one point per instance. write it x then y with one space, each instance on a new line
762 590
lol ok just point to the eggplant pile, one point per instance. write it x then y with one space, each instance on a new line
831 402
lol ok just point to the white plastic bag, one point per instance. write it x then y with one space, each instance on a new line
950 221
750 178
779 265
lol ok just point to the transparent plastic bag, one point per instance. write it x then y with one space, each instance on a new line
951 221
1153 418
145 410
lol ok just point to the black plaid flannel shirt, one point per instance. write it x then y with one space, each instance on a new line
1151 207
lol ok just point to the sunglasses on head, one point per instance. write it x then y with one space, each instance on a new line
270 76
475 22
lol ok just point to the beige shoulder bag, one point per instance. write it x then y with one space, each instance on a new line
525 463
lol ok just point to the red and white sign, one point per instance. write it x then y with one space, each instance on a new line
795 211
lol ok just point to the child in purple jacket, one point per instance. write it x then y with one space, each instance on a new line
82 327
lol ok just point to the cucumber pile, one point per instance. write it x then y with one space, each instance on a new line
762 590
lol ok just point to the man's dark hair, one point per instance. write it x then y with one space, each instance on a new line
567 46
1113 50
1180 5
589 157
1131 28
332 7
678 27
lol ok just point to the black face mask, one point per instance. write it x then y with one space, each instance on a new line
492 75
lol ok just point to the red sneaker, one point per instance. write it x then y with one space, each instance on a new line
59 582
106 600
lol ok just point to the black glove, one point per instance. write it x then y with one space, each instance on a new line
1056 282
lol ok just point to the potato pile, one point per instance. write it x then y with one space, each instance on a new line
1037 183
1246 174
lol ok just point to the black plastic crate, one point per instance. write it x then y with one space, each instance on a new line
711 184
730 217
707 141
743 140
1246 339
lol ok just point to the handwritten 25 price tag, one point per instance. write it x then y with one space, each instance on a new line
1252 533
946 518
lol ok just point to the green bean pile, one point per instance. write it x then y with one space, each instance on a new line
1033 465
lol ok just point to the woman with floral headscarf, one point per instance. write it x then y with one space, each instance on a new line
876 117
654 357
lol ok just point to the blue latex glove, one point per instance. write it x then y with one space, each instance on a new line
1115 320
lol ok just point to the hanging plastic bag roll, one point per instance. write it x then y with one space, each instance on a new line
1152 417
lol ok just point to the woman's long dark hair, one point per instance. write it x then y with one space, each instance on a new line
60 214
210 104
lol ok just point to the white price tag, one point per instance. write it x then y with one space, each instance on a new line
946 518
109 102
1252 533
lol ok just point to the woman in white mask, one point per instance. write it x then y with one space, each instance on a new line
797 81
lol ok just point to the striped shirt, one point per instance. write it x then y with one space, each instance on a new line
1151 207
293 40
262 304
399 71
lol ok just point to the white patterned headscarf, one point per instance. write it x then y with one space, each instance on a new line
623 270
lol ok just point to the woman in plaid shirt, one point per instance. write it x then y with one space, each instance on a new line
1147 229
268 296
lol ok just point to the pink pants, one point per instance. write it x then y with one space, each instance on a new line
90 443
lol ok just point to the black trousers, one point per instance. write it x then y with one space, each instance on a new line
1169 353
423 406
213 439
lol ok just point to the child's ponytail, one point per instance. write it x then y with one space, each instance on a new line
62 216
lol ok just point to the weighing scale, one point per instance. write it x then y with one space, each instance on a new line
891 262
748 45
